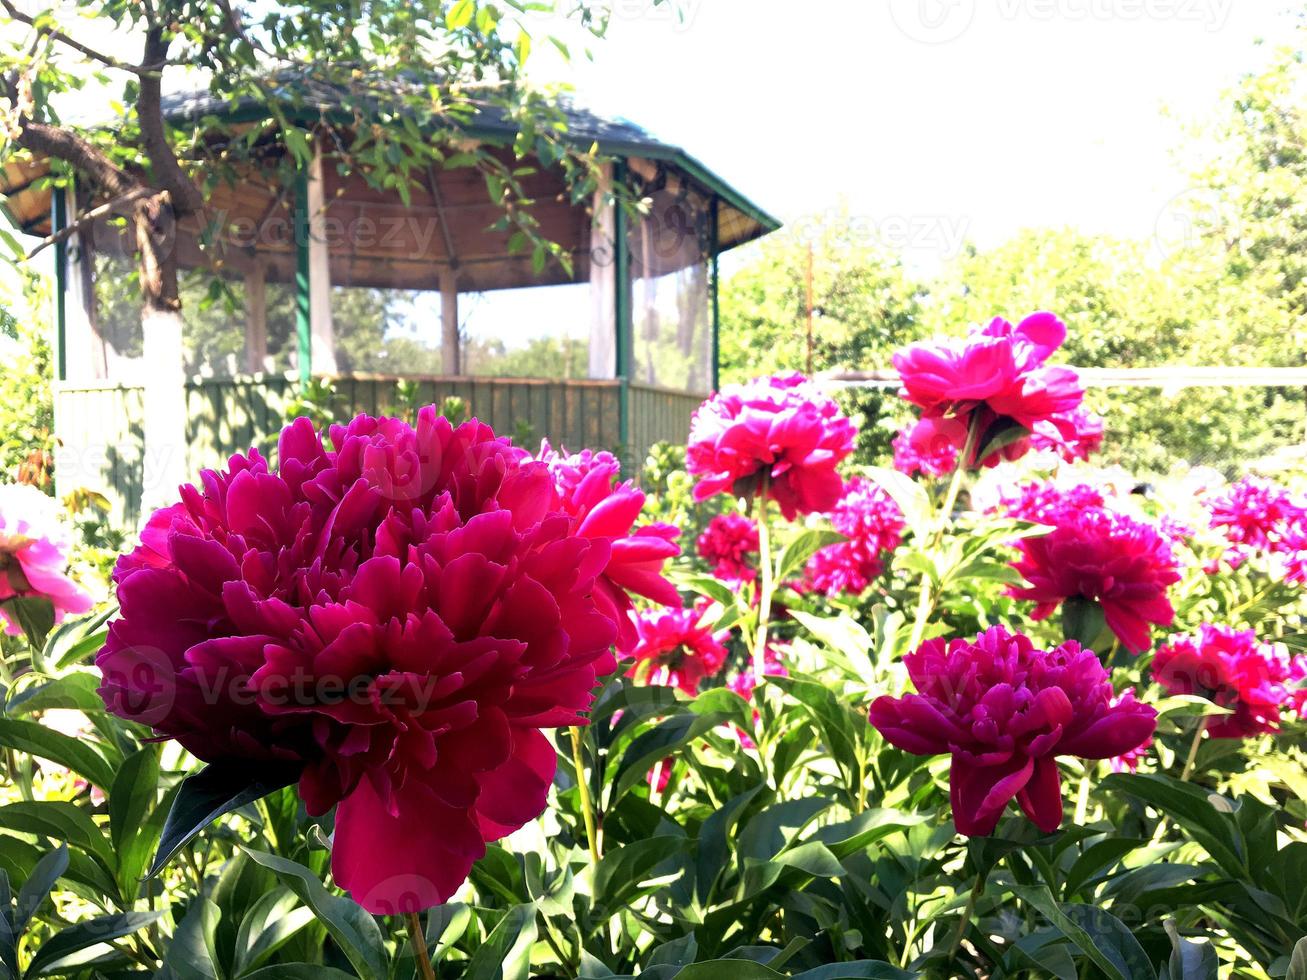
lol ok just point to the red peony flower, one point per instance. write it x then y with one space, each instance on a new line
993 378
1231 668
1071 435
1044 502
1005 711
34 549
1108 558
779 428
928 447
397 619
1258 516
602 507
676 648
872 524
726 544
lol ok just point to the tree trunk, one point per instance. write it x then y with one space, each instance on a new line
165 376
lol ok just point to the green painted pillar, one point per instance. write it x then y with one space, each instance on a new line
303 326
624 340
714 284
58 222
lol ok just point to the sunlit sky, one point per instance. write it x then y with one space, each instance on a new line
934 120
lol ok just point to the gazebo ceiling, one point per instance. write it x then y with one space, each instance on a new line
377 240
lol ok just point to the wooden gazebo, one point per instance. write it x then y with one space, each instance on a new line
302 271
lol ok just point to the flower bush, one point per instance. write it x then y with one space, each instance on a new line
410 701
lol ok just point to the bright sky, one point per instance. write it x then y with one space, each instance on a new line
935 120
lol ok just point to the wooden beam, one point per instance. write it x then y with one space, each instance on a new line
256 320
449 344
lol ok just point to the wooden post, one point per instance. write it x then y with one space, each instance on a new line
451 362
603 285
323 351
256 319
85 357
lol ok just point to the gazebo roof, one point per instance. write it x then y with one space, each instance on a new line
27 201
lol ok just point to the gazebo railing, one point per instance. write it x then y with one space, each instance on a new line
99 424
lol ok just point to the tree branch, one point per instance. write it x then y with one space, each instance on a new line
87 218
186 197
62 144
44 31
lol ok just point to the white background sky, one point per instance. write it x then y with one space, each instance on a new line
932 118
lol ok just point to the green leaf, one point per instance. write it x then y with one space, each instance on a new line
1097 858
910 496
1101 936
192 952
133 795
460 15
506 953
802 547
63 750
353 929
1298 961
856 970
60 953
714 850
622 871
845 636
35 617
76 691
208 794
728 969
1083 621
36 889
269 923
65 822
1189 960
298 971
1194 809
665 739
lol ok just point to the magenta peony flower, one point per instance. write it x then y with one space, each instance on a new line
1044 502
676 648
602 507
1258 516
1129 761
991 378
397 619
872 524
34 549
1071 435
726 545
1108 558
1231 668
926 449
781 428
1005 711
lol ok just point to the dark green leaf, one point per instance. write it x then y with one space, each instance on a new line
207 795
354 931
63 750
60 953
506 953
36 889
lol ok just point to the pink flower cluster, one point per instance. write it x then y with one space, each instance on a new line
1232 668
1258 516
780 432
676 648
1044 502
871 524
726 544
927 448
994 378
1072 435
397 619
1121 564
1005 711
34 549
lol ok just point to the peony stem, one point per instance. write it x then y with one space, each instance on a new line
418 941
587 804
967 912
925 601
765 585
1192 758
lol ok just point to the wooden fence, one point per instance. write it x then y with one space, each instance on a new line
99 424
